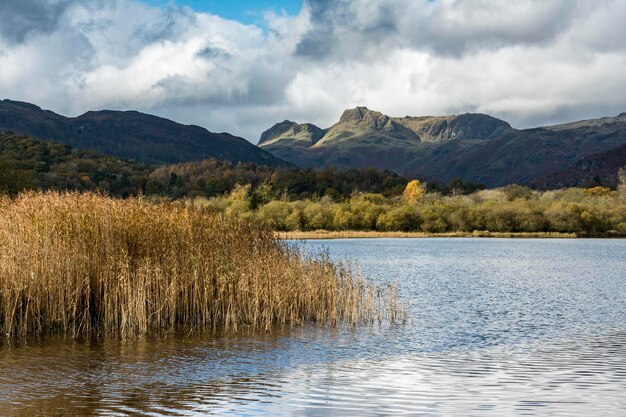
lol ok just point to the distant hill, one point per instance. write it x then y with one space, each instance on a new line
473 147
29 163
131 135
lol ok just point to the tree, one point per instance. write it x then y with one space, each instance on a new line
621 187
262 195
12 181
413 193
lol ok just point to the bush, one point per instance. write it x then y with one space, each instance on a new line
403 218
318 216
561 218
515 191
274 214
432 221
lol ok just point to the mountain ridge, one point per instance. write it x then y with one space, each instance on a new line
472 146
131 134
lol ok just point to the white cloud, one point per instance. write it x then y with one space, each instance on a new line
530 62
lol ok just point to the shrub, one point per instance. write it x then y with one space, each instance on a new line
561 218
342 218
515 191
318 216
274 214
432 221
598 192
403 218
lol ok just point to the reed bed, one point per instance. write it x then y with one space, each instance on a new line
85 264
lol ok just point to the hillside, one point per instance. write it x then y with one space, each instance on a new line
595 169
474 147
29 163
131 135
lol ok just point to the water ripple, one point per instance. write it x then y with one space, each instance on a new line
534 328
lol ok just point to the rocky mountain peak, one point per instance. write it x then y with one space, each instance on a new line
361 123
354 115
365 118
476 126
306 133
444 128
277 130
308 130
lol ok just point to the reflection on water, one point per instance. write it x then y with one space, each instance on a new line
500 327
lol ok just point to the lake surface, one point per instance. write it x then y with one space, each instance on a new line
497 327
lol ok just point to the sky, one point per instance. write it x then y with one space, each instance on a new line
241 66
244 11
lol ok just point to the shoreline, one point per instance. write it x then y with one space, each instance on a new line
356 234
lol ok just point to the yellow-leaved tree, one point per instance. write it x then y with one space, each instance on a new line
413 193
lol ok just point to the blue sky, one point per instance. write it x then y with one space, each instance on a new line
245 11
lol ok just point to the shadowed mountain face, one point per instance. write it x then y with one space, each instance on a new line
131 135
600 168
474 147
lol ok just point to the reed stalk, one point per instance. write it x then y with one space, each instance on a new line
85 264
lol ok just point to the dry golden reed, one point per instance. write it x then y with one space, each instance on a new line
85 264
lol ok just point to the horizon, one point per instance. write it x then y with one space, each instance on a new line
256 140
242 67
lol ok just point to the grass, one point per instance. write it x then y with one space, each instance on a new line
85 264
359 234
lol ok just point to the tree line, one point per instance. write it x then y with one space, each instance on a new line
597 211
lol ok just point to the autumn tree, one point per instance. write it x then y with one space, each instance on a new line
413 193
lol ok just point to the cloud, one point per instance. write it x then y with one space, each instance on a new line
530 62
25 17
442 27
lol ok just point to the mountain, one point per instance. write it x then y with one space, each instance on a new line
474 147
131 135
366 138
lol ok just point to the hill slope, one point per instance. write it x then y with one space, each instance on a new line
29 163
600 168
474 147
131 135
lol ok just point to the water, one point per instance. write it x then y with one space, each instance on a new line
498 327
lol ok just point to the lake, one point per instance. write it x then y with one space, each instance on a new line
496 327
